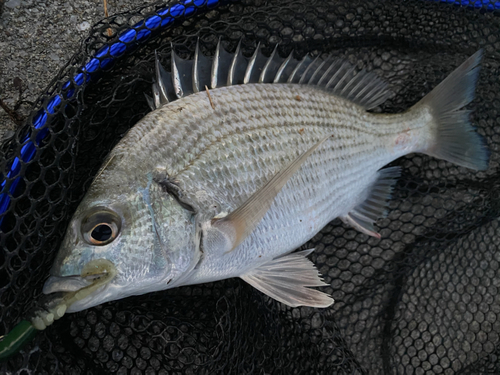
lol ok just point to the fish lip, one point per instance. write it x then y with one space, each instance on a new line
65 284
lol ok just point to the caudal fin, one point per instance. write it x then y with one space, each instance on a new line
454 137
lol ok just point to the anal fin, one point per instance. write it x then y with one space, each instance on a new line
365 214
286 279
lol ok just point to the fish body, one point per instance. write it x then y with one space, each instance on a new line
188 195
220 157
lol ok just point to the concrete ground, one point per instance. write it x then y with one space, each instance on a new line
37 37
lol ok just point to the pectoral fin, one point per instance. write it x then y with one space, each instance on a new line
236 226
286 280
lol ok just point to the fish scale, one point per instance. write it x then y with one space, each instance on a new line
173 148
355 150
277 132
227 181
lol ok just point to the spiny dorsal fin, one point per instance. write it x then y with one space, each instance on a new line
225 69
162 89
202 69
182 76
236 73
299 69
322 69
255 66
151 101
316 64
220 66
273 63
285 69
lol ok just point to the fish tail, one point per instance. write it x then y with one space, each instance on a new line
453 136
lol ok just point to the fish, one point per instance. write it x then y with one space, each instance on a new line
241 161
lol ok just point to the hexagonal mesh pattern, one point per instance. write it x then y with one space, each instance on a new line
423 299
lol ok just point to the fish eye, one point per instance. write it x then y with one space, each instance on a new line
101 233
101 227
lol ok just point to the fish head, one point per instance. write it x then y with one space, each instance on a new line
147 236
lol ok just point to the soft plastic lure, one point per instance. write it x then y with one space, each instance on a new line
98 272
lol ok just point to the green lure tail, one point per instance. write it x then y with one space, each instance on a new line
16 339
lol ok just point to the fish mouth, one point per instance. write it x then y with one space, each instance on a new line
56 284
65 291
94 274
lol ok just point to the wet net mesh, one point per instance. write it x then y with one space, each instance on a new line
423 299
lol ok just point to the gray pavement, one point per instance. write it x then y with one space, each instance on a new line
37 37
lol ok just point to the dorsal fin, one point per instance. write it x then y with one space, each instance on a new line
299 69
202 69
316 64
151 101
225 69
236 73
220 66
363 88
320 71
285 69
182 75
255 66
271 67
163 89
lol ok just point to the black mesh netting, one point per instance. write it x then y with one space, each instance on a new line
423 299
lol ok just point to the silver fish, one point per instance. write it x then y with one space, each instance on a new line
242 161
